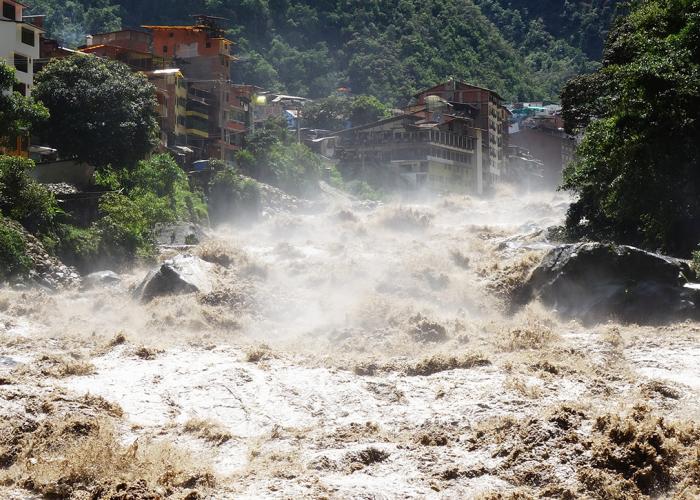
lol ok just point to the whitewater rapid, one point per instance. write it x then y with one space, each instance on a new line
355 326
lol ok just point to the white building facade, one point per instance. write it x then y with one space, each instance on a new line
19 43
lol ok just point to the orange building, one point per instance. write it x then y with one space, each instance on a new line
203 54
203 46
200 109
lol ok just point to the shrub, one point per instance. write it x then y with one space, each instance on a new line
233 195
160 187
695 263
336 178
363 190
23 199
13 259
156 191
79 247
125 232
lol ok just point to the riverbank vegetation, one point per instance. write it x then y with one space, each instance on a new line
273 156
141 191
636 174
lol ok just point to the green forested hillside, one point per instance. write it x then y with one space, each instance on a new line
556 39
386 48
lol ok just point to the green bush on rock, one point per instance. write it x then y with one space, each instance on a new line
13 259
23 199
231 195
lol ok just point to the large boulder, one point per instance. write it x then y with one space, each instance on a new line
180 275
596 281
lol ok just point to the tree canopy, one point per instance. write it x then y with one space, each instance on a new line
637 174
101 112
386 48
18 113
274 158
336 112
71 20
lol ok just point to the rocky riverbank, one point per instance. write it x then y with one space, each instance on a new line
43 270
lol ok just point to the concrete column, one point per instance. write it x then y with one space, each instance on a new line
479 164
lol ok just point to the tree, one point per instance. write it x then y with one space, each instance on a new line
18 113
13 252
637 174
70 20
273 157
329 113
101 112
367 109
388 49
336 112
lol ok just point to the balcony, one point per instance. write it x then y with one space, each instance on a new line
408 139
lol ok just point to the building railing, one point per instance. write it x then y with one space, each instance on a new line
395 139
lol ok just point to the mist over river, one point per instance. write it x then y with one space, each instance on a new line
351 349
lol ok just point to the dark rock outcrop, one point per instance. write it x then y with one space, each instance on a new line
596 281
180 275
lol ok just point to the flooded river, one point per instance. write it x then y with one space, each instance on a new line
352 350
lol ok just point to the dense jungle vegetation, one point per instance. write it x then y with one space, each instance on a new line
637 175
384 48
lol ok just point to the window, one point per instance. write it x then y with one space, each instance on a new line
8 11
171 34
28 37
208 44
165 48
21 63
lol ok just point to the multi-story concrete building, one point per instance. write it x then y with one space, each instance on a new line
129 46
19 47
171 92
199 107
203 54
491 117
414 151
19 43
540 131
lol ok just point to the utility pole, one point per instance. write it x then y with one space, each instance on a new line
222 119
298 124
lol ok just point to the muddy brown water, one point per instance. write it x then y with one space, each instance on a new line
362 351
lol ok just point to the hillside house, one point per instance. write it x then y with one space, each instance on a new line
129 46
19 47
19 43
412 151
491 117
203 54
540 131
201 111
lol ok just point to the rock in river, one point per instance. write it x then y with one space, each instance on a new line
182 274
597 281
101 278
